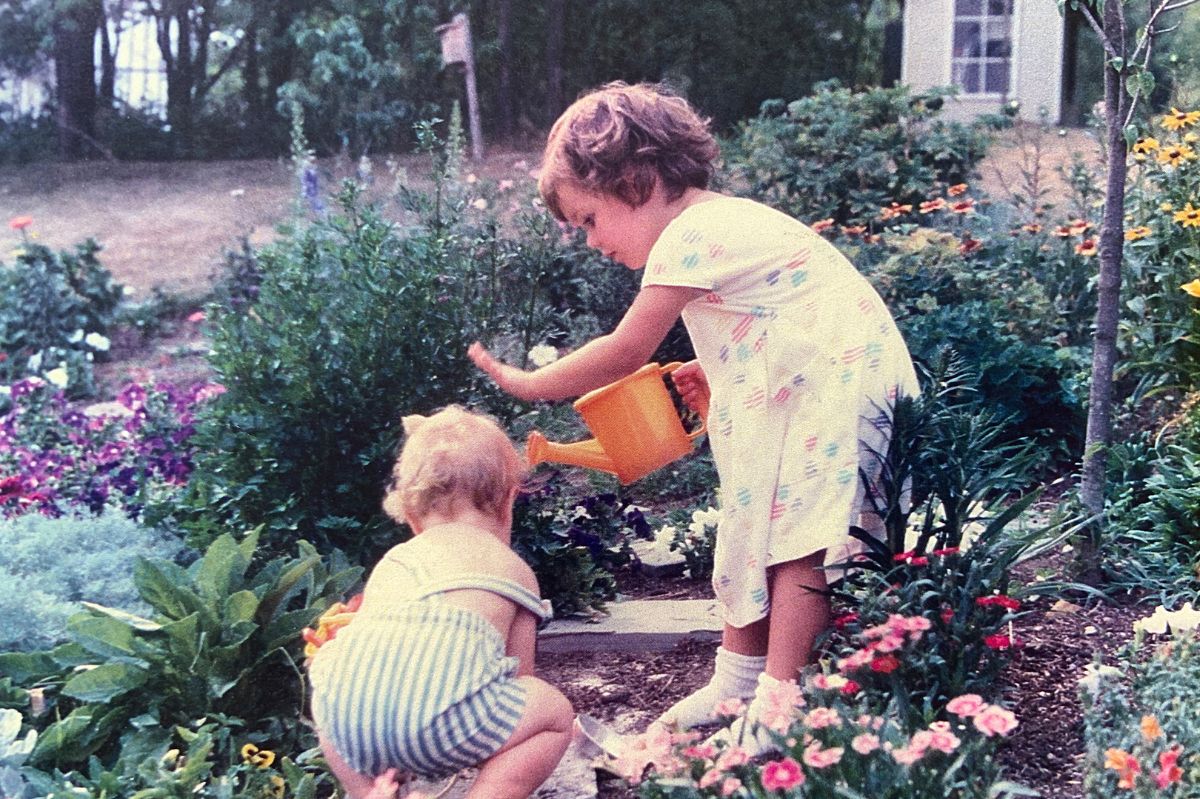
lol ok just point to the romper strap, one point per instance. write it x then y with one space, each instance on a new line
502 586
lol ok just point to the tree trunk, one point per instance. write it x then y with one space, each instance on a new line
1108 298
75 77
504 94
108 65
555 23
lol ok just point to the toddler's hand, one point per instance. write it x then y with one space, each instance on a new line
692 384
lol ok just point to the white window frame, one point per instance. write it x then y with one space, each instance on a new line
983 60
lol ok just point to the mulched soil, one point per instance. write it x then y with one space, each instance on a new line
1057 641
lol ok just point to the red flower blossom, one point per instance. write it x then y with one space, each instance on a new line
969 245
947 615
10 487
854 230
1087 248
20 222
1032 227
822 225
842 621
966 206
929 206
1000 641
1006 602
885 664
941 553
851 688
957 189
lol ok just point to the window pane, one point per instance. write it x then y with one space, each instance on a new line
996 81
966 39
966 75
997 43
968 7
999 7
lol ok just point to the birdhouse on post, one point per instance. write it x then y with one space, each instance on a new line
456 49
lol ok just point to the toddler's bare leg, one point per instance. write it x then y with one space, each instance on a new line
533 751
358 786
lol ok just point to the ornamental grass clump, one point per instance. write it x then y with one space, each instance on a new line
1142 719
833 744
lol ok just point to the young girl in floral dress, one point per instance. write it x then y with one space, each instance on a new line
798 363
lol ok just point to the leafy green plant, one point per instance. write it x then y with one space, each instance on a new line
841 154
56 311
44 588
575 543
833 744
220 632
1141 721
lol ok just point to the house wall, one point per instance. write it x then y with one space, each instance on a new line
1037 57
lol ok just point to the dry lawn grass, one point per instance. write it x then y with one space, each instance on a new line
169 224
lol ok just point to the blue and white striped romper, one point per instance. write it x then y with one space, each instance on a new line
421 685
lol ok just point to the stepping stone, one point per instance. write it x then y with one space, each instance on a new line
636 625
575 778
656 561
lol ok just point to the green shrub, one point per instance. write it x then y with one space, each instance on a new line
56 310
842 154
575 542
48 565
222 642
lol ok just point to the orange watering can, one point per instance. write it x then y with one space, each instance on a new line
635 424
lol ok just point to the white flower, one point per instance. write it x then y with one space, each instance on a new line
505 185
75 337
128 291
580 512
708 517
97 342
479 204
237 192
664 537
35 362
472 178
543 354
1094 675
58 377
1162 620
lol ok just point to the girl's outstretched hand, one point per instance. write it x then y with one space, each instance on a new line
692 384
509 378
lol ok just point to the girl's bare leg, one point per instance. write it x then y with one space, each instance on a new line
531 754
799 613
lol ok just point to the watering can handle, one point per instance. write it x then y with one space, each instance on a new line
666 369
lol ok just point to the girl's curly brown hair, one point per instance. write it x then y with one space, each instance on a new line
621 139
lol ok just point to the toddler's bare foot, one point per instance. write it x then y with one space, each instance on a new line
384 787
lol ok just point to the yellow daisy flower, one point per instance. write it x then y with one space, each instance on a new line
1136 233
263 758
1165 207
1175 155
1192 288
1188 217
1191 137
1146 144
1180 119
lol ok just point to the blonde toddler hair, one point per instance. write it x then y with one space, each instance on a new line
620 139
451 457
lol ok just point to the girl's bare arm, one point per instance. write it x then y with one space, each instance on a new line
603 359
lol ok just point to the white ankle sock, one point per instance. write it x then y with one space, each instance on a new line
734 675
746 732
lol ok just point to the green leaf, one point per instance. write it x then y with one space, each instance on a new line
240 607
75 737
25 667
101 635
222 565
165 587
139 623
282 589
105 681
183 640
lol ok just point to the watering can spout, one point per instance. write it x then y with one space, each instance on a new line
588 454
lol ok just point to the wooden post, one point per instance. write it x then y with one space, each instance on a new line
457 49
